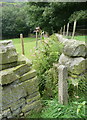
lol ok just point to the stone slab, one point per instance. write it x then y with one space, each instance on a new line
19 103
28 75
31 100
74 65
23 60
11 94
74 48
7 52
6 114
32 106
16 113
31 85
21 69
7 76
9 65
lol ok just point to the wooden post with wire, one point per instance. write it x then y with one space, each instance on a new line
22 43
74 28
36 40
67 29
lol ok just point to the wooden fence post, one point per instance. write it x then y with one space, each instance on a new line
64 30
67 29
36 40
74 28
62 85
22 43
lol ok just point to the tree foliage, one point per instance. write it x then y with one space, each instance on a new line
78 15
13 21
49 16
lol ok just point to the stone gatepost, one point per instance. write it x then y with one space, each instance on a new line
62 85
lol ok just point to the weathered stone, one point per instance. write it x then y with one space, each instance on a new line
16 112
29 107
12 94
23 60
17 104
31 100
7 76
31 85
7 52
75 48
0 116
74 65
36 109
6 113
0 98
21 69
61 39
28 75
33 95
9 65
62 85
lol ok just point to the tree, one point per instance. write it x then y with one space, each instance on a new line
14 21
51 16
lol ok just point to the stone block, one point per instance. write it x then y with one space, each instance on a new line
16 113
9 65
7 52
6 113
31 100
23 60
28 75
32 106
74 48
74 65
7 76
11 94
0 98
31 85
33 95
19 103
21 69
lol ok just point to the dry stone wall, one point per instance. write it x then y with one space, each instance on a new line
74 56
19 93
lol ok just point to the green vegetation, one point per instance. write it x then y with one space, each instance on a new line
47 54
49 16
44 58
80 38
29 46
78 15
53 109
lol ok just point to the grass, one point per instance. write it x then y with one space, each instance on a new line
53 109
80 38
29 46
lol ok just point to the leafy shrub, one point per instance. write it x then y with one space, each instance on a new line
47 54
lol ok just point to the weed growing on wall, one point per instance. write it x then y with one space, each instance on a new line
47 54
